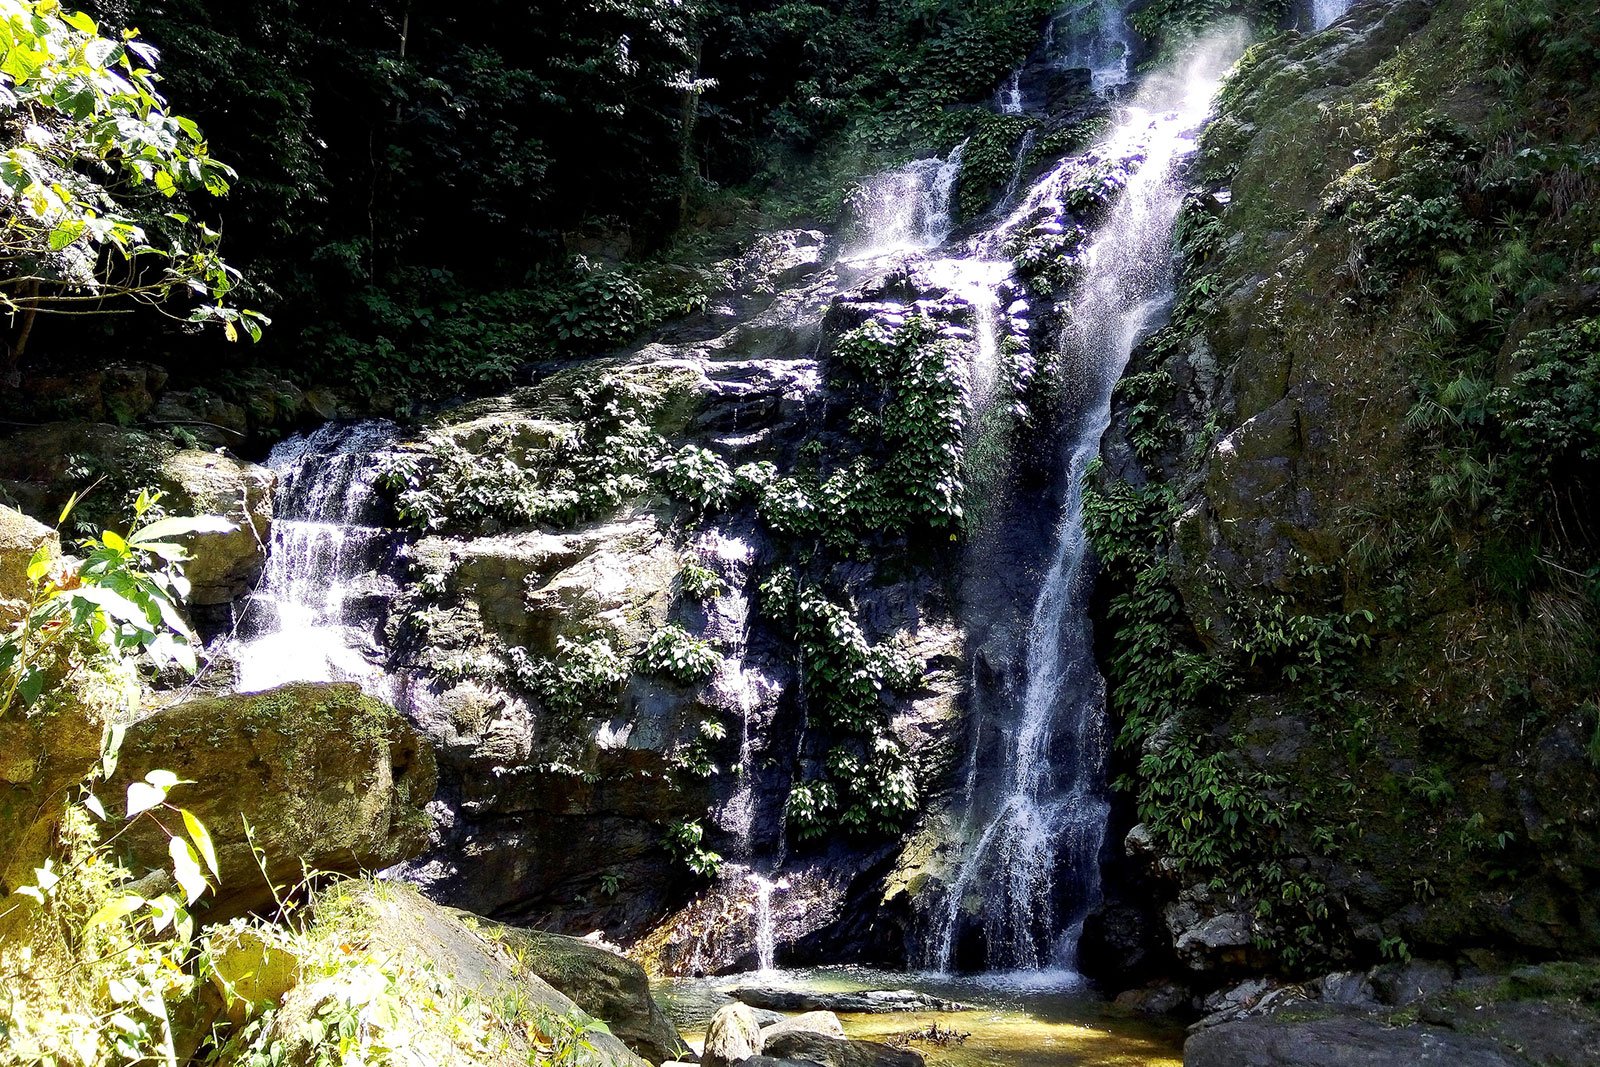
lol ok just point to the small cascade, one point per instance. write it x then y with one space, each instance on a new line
1030 872
306 623
766 929
1010 100
1024 153
1325 13
1101 42
905 210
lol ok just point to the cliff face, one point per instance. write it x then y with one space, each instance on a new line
1349 603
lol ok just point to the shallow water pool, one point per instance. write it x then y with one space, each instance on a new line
1016 1021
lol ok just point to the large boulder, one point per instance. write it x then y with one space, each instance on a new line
222 567
602 983
825 1023
1339 1042
443 969
328 778
734 1036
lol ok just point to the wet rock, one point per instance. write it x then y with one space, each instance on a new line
602 983
20 538
834 1052
1160 999
1402 984
222 567
1346 989
1204 936
734 1036
869 1002
1339 1042
825 1023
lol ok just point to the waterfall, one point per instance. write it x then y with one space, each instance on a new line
766 929
1010 101
1032 853
905 210
1101 42
305 622
1325 13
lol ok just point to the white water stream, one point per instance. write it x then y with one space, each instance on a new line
1032 858
302 624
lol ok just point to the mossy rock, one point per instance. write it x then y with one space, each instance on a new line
328 778
602 983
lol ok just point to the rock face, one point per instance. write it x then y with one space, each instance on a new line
1547 1015
602 983
566 766
324 774
1315 575
20 538
222 567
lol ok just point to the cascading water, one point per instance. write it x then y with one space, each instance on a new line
1325 13
1032 858
1100 42
303 624
1010 100
905 210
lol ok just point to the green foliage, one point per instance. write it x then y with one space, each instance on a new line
603 309
989 162
90 168
593 464
673 652
585 678
699 582
699 477
118 605
1168 24
910 414
685 840
1212 815
869 785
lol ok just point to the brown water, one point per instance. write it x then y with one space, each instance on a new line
1012 1024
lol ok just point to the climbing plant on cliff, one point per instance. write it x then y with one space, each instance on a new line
92 167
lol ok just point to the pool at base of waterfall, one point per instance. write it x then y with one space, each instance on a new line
1028 1020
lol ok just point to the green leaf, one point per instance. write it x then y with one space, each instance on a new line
186 869
202 839
118 908
39 565
142 796
180 527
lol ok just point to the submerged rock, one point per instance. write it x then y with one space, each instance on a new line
869 1002
838 1052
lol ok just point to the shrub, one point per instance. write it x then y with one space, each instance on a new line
675 653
